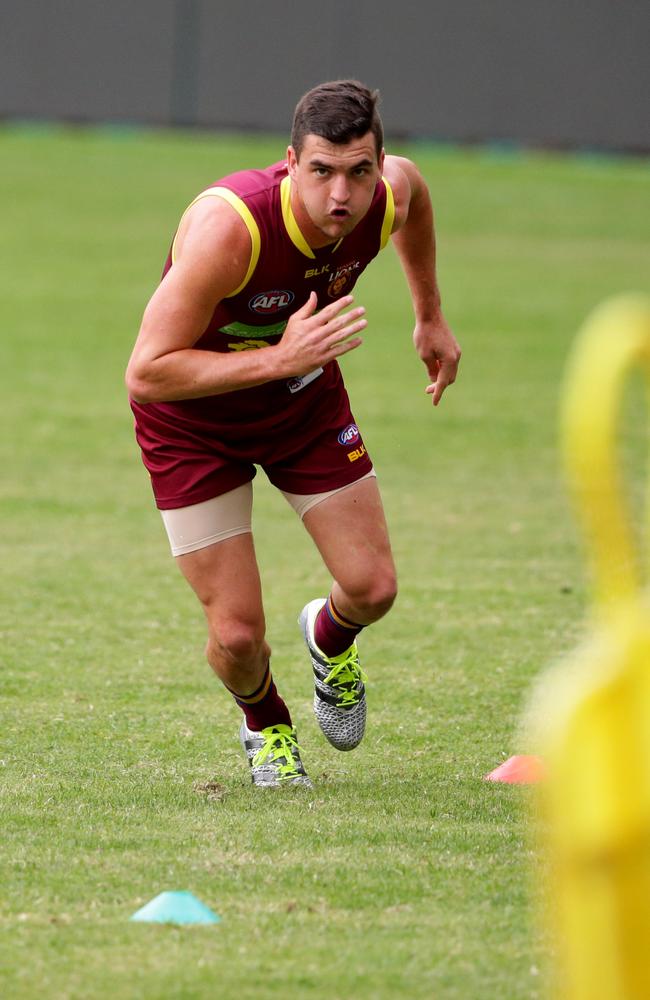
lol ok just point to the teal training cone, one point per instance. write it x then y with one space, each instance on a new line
176 908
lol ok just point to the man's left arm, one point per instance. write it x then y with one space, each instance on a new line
414 240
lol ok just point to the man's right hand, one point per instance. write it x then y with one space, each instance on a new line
312 339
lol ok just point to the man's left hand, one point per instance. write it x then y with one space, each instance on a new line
439 350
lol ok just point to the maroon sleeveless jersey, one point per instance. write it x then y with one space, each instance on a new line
283 270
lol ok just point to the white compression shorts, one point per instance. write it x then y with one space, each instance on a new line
202 524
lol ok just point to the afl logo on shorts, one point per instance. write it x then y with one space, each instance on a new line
350 435
270 302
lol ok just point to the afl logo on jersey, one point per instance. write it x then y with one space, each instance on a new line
350 435
270 302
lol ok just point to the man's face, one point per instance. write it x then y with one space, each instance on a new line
333 185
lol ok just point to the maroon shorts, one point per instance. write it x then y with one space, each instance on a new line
313 448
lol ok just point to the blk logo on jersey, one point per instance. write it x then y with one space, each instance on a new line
271 302
315 272
350 435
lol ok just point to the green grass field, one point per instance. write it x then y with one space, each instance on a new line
404 874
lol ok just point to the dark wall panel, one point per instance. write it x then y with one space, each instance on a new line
557 72
85 59
562 72
253 71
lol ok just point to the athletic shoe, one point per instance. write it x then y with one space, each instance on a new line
274 756
339 692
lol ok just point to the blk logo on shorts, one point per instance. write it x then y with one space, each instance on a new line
357 453
350 435
271 302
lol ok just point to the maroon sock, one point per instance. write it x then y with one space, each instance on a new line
333 633
264 707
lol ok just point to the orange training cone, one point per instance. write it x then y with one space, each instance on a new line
519 770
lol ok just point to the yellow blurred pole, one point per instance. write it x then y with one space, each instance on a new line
616 337
594 712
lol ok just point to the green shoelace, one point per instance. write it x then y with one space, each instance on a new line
279 742
345 676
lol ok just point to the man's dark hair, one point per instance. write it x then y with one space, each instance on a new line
338 111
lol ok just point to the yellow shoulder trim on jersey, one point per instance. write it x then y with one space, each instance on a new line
246 215
389 215
290 223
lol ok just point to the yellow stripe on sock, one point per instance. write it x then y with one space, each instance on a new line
252 699
336 616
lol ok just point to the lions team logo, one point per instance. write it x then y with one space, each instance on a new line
342 279
350 435
271 302
337 287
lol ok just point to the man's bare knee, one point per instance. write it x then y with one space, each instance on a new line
236 642
382 595
373 598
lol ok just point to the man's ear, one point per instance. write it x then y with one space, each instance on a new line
292 161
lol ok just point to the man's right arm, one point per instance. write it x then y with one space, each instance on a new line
213 250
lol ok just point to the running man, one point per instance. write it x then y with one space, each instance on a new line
235 366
